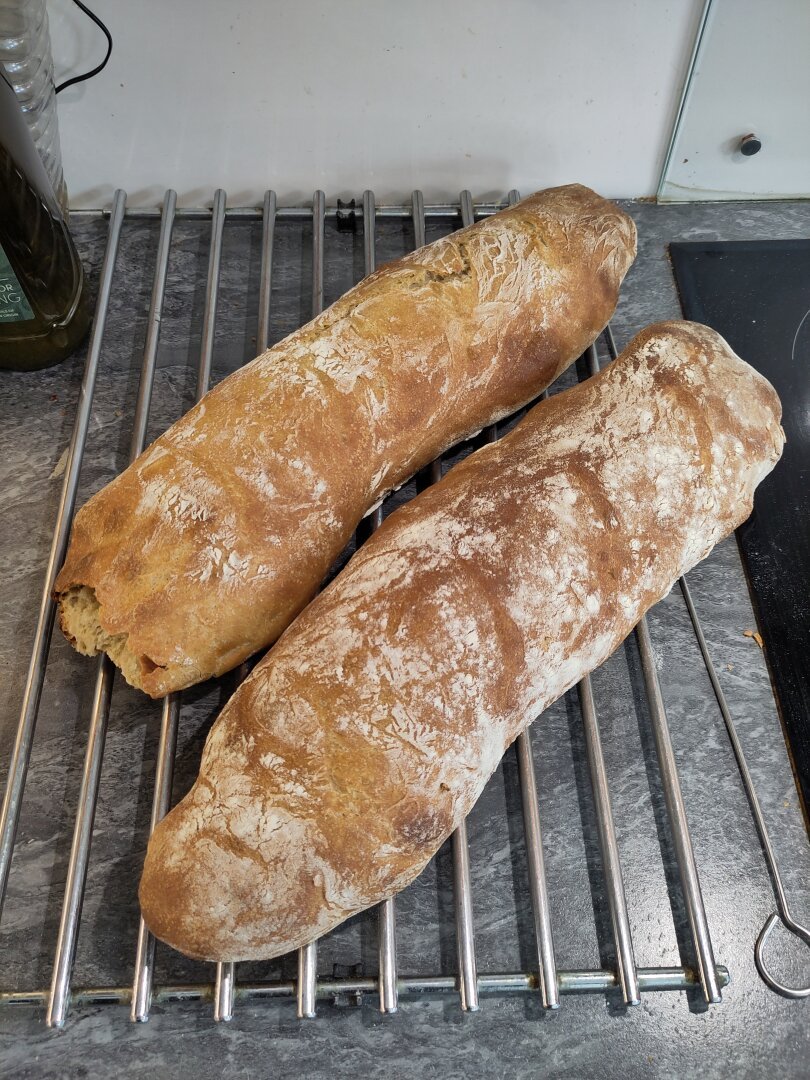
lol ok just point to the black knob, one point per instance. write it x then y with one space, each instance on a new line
346 216
750 145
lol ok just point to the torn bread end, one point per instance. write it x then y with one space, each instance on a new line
79 619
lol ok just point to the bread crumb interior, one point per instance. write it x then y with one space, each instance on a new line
80 622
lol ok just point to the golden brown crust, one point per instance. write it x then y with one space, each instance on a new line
206 548
367 733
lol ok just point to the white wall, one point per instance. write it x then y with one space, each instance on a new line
752 75
298 94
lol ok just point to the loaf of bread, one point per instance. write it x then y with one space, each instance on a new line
367 733
207 547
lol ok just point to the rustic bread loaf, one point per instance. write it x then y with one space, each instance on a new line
365 736
208 546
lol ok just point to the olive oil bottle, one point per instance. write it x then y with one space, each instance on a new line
44 310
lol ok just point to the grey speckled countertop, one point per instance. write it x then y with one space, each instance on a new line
752 1033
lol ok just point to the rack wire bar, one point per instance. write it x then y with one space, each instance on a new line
611 864
224 990
389 996
223 998
549 991
418 216
369 232
170 713
465 928
676 813
99 716
673 796
609 848
161 801
308 954
225 982
266 278
387 916
211 295
21 753
467 210
318 213
80 848
570 982
462 888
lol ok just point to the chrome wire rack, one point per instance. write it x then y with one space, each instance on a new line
224 989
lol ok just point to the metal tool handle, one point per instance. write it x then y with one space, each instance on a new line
782 914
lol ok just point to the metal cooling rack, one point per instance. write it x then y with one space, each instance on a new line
225 989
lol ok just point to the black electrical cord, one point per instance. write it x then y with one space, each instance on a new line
98 67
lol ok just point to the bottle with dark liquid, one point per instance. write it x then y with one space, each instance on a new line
44 310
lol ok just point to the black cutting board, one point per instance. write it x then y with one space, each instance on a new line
757 295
